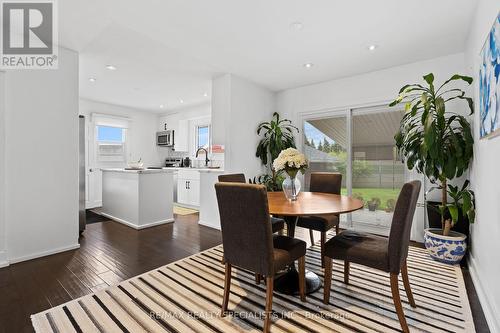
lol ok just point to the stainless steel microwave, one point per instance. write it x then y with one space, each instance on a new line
165 138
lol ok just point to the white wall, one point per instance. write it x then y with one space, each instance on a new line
221 108
3 252
238 107
485 233
250 105
41 178
141 134
370 88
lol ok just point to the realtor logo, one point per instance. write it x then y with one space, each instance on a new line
29 36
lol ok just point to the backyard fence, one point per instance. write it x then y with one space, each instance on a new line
376 174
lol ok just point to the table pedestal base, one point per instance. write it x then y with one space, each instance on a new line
288 282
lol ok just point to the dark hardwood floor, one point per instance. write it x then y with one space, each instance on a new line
110 253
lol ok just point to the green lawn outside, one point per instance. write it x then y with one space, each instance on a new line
383 194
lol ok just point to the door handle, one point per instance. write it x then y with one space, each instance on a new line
189 185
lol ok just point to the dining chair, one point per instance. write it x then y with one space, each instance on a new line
324 182
382 253
277 224
249 243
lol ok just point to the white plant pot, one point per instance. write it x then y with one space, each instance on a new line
448 249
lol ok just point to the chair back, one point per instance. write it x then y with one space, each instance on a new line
246 227
232 178
399 236
326 182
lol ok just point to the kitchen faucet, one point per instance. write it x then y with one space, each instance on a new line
206 155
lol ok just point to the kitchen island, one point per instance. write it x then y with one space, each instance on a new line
138 198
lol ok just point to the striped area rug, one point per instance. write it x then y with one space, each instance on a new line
185 296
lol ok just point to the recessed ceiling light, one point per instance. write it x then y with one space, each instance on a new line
92 79
111 67
308 65
182 101
372 47
205 95
162 106
296 25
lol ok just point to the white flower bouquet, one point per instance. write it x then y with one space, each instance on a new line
291 161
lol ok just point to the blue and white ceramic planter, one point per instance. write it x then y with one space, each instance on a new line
448 249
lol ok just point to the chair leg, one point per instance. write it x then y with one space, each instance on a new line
227 286
269 303
347 266
311 236
397 302
302 278
327 280
323 240
257 278
336 229
406 282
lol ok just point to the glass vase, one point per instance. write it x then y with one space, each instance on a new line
291 187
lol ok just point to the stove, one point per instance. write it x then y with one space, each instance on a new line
172 162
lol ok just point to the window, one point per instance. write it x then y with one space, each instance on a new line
110 134
110 143
203 136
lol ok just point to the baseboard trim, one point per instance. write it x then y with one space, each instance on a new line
95 204
137 227
3 259
187 206
490 313
44 253
205 224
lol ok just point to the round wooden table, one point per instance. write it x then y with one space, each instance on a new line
307 204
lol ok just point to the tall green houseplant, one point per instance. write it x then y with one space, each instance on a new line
438 142
277 135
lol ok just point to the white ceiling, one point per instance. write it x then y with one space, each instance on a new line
373 128
167 50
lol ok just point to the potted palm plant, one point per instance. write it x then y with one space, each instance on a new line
277 135
439 143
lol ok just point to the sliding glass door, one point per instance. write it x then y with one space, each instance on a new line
377 172
359 143
326 147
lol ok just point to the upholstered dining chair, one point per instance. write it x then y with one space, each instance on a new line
386 254
249 243
277 224
324 182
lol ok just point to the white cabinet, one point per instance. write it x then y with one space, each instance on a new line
194 192
188 187
181 136
182 191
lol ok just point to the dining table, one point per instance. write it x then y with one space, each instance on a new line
307 204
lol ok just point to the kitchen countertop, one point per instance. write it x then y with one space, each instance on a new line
195 169
211 170
142 171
